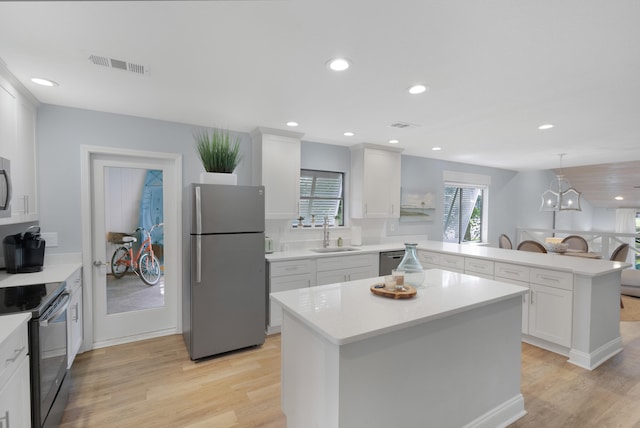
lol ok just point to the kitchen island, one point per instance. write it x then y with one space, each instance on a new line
450 356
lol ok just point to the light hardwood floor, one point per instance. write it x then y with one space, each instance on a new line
154 384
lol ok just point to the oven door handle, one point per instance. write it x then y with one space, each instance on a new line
57 310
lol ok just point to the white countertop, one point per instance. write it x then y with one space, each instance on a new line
56 272
348 312
575 265
9 323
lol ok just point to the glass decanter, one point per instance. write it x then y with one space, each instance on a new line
413 271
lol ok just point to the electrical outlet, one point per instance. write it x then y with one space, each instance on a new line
392 226
51 238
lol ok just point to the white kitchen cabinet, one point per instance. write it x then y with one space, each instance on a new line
25 198
18 144
517 275
551 306
276 166
347 268
550 314
284 276
74 316
15 398
452 263
428 259
8 131
479 267
375 182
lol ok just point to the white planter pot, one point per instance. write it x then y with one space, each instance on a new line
218 178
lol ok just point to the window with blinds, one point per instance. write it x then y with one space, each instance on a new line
463 213
321 194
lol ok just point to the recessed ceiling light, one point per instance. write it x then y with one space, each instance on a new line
349 134
435 149
394 141
43 82
339 64
418 89
545 126
292 124
619 198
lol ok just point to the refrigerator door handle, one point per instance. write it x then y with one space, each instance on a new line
198 235
198 259
198 211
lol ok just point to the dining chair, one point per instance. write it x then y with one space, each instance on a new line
533 246
620 255
505 242
576 242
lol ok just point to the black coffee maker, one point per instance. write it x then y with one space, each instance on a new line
24 252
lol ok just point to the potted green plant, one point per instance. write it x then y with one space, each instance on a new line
219 154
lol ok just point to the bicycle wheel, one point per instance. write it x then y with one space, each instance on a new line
149 269
120 262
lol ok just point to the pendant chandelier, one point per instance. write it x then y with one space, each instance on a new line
560 196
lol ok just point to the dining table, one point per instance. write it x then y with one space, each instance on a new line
579 253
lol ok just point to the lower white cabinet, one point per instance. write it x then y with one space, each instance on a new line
551 306
429 260
550 314
302 273
15 397
74 316
347 268
285 276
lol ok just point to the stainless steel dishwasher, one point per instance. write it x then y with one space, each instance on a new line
389 260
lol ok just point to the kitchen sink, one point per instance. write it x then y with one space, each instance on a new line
334 249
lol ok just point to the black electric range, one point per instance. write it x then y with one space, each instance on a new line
34 298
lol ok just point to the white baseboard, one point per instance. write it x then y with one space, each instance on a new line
502 415
597 357
129 339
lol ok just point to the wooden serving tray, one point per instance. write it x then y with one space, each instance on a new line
393 294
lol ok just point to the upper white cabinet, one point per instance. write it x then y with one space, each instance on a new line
276 166
18 144
375 182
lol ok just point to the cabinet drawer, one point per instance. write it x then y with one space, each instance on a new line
448 261
12 351
428 259
291 267
478 266
552 278
291 282
345 262
509 271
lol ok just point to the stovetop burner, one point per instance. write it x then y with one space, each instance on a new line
29 298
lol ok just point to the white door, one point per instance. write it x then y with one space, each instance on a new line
111 323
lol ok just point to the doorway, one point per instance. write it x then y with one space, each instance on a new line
126 193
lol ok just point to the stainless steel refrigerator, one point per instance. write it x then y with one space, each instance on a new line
224 307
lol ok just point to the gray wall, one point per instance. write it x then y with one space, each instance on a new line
61 132
513 201
420 172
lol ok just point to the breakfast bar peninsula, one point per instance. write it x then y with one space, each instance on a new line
447 357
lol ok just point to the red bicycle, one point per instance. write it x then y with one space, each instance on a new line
145 264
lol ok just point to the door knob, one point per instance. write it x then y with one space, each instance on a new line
98 263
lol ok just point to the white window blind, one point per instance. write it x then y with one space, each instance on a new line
321 194
463 212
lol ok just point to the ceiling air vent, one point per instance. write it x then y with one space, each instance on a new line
403 125
118 64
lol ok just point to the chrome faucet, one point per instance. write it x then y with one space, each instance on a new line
325 232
